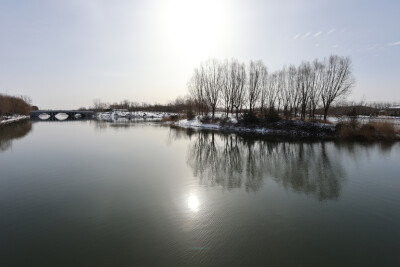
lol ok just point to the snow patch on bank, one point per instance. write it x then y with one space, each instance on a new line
292 128
11 119
116 115
196 123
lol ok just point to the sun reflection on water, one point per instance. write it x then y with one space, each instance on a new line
193 203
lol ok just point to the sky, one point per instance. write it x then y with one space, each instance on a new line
67 53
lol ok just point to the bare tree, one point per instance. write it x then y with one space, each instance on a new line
211 73
317 87
271 93
268 91
226 87
283 88
232 81
293 90
305 77
256 71
306 87
338 80
98 105
196 91
238 93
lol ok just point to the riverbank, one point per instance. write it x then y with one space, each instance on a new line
115 115
10 119
296 129
344 128
284 128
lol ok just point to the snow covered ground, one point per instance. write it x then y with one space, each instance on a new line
196 123
292 128
14 118
367 119
125 115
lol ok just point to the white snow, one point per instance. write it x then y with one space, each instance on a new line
14 118
118 114
196 123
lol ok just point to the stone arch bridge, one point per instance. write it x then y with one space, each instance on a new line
71 114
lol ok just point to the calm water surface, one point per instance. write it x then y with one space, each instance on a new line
86 193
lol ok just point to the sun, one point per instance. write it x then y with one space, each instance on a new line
194 27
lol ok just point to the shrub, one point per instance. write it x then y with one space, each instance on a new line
250 118
170 118
190 115
367 132
384 128
174 117
272 116
224 121
205 119
10 105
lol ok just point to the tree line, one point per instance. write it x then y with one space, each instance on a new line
179 105
11 105
294 90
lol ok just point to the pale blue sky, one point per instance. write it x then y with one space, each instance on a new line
66 53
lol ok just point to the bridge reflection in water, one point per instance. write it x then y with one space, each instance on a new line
37 115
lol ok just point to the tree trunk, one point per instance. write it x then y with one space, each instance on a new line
325 113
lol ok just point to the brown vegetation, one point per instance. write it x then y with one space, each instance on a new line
173 118
353 130
10 105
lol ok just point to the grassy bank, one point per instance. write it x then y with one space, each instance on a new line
371 131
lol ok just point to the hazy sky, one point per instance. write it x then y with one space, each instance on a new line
66 53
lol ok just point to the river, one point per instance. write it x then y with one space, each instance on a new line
89 193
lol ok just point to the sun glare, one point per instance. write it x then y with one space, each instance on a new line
194 27
193 203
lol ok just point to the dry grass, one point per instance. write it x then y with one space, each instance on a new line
368 132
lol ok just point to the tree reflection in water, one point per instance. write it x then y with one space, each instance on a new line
313 168
12 131
231 161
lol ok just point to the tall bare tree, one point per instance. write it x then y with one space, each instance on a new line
318 84
256 71
338 81
233 78
238 93
305 77
196 92
271 92
211 73
293 90
306 87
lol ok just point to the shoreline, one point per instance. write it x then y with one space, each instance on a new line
290 129
341 129
13 119
295 129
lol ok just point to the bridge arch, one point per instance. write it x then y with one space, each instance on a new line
72 114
